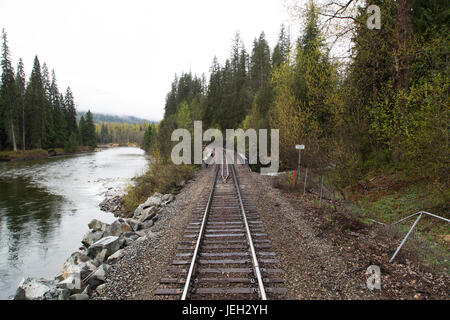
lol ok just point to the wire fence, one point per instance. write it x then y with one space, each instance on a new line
319 183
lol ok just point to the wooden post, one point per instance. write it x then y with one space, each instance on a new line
304 185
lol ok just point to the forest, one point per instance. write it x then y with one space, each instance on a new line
121 133
384 109
35 115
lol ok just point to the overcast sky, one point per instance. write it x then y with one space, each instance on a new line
120 57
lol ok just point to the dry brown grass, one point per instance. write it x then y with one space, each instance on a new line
161 177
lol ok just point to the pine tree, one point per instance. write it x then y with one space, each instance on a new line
35 103
8 94
146 141
70 113
214 94
20 85
48 128
260 64
314 75
90 139
281 50
82 131
59 121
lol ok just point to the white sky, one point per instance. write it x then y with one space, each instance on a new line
120 57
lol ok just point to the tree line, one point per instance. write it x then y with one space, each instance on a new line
34 114
121 133
386 106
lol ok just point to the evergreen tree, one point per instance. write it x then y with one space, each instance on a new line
8 95
147 138
260 64
104 134
70 113
90 139
214 94
59 120
314 75
20 85
82 131
48 129
281 50
35 103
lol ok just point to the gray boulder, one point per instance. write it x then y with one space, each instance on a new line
167 198
38 289
138 210
101 257
97 225
63 294
79 296
135 224
78 264
154 200
116 256
128 238
148 224
119 226
110 244
148 214
98 277
131 234
91 237
71 285
141 233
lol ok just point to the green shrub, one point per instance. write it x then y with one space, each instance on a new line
161 177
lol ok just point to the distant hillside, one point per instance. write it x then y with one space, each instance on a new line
100 117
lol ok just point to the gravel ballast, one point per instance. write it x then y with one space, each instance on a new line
322 258
136 275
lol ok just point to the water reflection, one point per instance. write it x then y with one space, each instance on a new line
45 206
26 209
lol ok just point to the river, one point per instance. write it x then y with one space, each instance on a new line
45 206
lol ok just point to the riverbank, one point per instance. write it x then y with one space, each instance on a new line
160 178
36 154
116 145
47 204
102 246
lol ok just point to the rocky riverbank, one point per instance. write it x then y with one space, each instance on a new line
103 245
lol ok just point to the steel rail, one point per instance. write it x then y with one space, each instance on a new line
199 239
262 291
225 164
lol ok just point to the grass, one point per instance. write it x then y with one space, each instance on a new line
390 197
23 155
161 177
387 195
37 153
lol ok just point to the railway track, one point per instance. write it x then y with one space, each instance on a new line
225 252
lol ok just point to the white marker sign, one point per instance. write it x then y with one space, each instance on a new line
300 147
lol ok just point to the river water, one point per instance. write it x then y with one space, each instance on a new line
45 206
